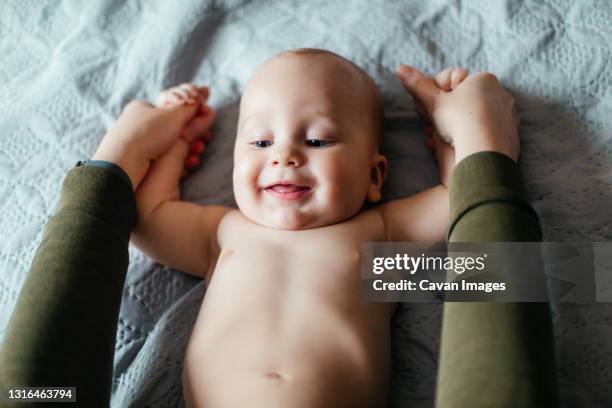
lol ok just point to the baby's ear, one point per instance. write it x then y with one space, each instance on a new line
378 173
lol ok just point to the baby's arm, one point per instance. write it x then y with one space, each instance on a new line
173 232
423 217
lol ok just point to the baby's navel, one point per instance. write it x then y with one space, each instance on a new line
274 376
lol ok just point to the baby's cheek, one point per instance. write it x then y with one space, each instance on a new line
333 173
355 182
245 180
242 171
341 179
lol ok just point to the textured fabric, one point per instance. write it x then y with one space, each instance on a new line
62 332
68 68
494 354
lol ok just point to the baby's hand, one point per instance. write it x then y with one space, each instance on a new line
184 94
476 114
189 94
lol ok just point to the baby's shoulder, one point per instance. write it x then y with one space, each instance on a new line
230 219
235 224
367 224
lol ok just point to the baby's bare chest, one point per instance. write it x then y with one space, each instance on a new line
325 259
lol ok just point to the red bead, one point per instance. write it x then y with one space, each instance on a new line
197 147
192 161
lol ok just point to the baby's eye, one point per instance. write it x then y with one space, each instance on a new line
317 142
260 144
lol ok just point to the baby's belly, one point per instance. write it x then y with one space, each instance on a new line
286 343
312 367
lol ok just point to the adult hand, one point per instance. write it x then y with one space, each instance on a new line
144 132
475 114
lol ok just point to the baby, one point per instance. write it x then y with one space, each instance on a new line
282 323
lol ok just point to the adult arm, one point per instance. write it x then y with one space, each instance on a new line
494 354
63 329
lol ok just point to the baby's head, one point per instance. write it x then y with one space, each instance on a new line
306 152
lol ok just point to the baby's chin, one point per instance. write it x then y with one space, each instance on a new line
291 220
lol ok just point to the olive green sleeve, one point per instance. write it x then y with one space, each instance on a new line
62 331
494 354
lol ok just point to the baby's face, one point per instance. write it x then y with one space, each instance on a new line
306 144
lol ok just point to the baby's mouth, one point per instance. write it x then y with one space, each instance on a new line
286 191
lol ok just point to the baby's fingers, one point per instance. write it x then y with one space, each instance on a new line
457 76
443 79
186 94
189 89
448 79
183 94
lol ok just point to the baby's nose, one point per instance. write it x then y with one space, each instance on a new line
285 161
287 158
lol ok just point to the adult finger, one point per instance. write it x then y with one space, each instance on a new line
419 85
165 126
177 116
198 126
